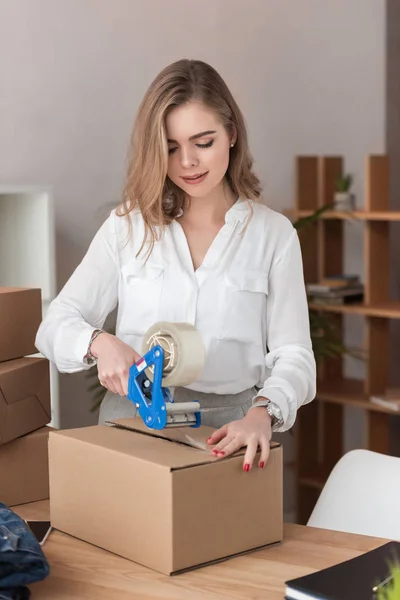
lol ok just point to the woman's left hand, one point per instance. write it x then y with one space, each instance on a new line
253 431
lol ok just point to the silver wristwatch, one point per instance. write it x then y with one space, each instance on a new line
274 412
89 359
276 415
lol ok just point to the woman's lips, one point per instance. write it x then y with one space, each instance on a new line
195 179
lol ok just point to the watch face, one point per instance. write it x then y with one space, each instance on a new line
275 413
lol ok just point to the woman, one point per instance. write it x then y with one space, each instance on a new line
191 243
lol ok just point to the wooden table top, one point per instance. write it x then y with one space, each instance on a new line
80 571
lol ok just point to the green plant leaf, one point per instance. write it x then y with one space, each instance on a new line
344 182
310 219
392 590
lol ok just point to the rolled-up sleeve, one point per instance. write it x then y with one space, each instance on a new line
290 358
83 304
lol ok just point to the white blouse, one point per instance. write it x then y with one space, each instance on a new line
247 300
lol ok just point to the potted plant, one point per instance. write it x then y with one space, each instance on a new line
344 199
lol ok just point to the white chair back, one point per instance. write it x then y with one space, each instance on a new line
361 495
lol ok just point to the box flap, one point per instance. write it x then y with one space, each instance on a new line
195 437
18 386
174 448
150 448
24 397
189 436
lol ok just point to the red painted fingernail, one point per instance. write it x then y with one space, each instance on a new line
222 453
261 465
246 467
215 451
209 439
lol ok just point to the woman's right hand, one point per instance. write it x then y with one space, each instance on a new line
114 359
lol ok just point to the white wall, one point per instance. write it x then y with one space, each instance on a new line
309 75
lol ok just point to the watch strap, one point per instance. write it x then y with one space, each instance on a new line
89 359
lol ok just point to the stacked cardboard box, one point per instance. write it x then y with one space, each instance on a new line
24 399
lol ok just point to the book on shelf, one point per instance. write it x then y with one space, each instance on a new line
358 578
334 283
390 399
336 290
336 300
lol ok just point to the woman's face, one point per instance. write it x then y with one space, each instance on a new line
199 148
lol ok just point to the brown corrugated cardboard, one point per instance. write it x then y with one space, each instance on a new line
152 498
24 469
20 317
24 397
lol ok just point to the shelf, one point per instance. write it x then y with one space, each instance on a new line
389 309
349 392
362 215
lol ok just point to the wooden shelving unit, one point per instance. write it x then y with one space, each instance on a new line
319 425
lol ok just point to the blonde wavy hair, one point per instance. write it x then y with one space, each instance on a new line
147 185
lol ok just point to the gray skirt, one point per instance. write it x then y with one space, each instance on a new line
230 406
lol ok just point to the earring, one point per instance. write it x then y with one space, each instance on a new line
232 145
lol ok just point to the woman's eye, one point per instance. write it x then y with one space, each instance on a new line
208 145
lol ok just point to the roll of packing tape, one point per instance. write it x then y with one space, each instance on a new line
184 352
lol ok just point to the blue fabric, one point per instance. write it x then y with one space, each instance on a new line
21 557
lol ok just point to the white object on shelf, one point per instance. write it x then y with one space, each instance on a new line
390 400
27 251
344 201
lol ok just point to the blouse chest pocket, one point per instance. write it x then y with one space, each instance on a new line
243 305
140 296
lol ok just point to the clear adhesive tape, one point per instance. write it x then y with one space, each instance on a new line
184 352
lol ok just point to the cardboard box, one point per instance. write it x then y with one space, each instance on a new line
155 499
24 397
24 469
20 317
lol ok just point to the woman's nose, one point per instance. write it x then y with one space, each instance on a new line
189 158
